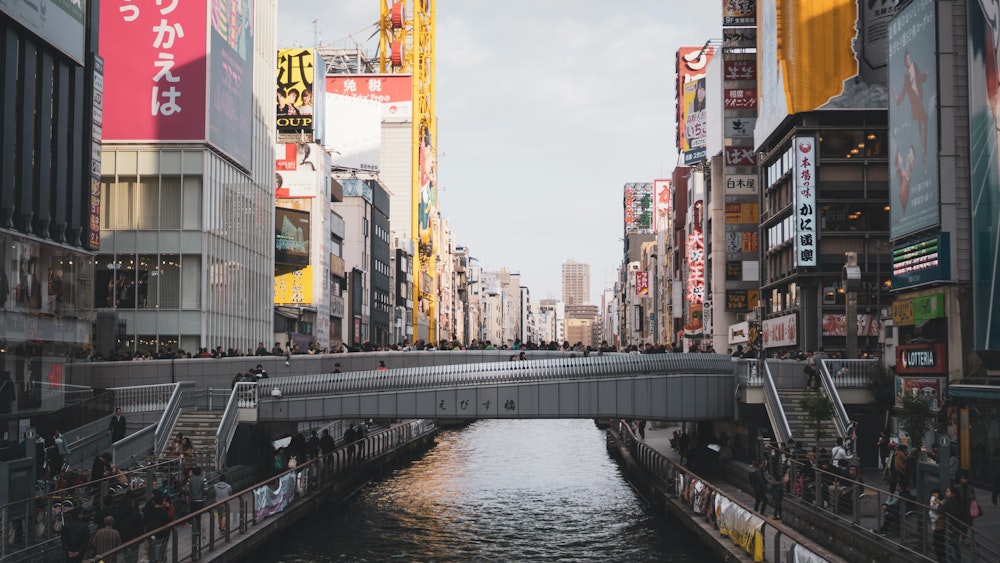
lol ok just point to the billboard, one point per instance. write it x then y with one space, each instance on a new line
61 23
695 130
641 284
299 96
780 331
739 12
294 288
639 208
291 237
806 223
806 58
913 116
691 63
393 91
428 196
354 131
922 262
984 130
298 170
171 77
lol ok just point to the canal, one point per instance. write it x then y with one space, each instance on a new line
497 490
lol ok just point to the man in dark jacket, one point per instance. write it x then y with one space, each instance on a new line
117 425
758 480
75 533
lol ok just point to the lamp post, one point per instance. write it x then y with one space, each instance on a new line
878 297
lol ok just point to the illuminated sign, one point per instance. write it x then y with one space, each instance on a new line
921 358
642 284
806 226
662 205
741 300
696 267
921 262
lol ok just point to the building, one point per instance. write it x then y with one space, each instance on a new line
575 283
187 180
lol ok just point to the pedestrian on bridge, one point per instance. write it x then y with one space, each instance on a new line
116 427
758 480
350 436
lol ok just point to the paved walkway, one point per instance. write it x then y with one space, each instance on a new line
988 524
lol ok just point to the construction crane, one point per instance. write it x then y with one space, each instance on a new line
406 46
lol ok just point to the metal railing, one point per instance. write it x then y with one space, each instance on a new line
772 403
841 420
498 373
898 518
748 373
31 527
850 374
245 510
143 398
171 411
243 396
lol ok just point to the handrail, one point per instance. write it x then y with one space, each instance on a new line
772 403
244 395
169 417
499 373
143 398
134 445
840 418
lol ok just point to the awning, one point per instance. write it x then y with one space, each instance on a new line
973 391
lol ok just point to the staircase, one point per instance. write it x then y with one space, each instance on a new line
799 423
201 427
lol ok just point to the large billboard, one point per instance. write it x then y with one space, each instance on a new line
393 91
298 170
984 128
806 58
428 197
299 96
159 86
291 237
354 132
691 63
61 23
294 288
639 207
695 131
913 121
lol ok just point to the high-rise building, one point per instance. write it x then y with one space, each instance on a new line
187 178
575 283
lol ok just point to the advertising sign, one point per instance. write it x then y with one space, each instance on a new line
638 204
295 94
913 121
928 307
61 23
155 72
696 267
354 132
737 213
739 127
695 130
781 331
741 184
741 300
662 207
739 70
922 358
740 156
739 12
739 333
922 262
298 170
231 78
291 237
927 387
294 288
902 312
739 98
393 91
642 284
739 37
691 63
984 140
806 226
836 325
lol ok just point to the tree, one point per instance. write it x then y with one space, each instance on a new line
819 409
916 419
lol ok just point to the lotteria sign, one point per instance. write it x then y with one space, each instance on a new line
921 358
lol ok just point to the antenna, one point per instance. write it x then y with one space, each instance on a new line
315 32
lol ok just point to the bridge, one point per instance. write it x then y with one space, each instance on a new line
678 387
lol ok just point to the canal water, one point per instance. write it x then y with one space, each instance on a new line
497 490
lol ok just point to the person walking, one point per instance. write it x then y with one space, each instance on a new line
222 491
758 480
116 427
969 508
196 489
107 538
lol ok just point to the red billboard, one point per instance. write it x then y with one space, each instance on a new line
394 91
691 63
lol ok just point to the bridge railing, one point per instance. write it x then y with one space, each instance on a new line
772 403
850 374
243 396
840 418
498 373
194 536
143 398
171 411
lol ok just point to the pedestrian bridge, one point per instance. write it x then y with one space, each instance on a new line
679 387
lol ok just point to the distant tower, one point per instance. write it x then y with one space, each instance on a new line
575 283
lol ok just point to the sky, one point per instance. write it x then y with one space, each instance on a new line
546 109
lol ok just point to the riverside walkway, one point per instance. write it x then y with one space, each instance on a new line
802 518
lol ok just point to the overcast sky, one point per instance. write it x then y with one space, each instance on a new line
546 109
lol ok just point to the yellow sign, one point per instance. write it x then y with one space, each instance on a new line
902 312
294 288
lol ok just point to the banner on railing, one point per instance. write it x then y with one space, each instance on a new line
741 526
803 555
268 501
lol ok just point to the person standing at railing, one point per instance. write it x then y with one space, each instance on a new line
810 370
116 427
222 491
758 480
75 533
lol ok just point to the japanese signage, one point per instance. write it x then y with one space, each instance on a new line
927 387
695 131
922 262
739 70
691 63
836 325
393 91
59 22
734 270
781 331
806 226
739 37
294 288
739 12
742 241
739 333
353 132
739 127
741 184
638 203
741 300
157 70
298 75
298 170
97 117
642 284
291 237
913 166
662 190
922 358
737 213
696 266
739 98
740 156
902 312
928 307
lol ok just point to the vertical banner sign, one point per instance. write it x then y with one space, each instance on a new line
294 94
691 63
642 284
661 189
806 226
231 103
97 117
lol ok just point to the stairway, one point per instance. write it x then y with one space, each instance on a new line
799 424
201 427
